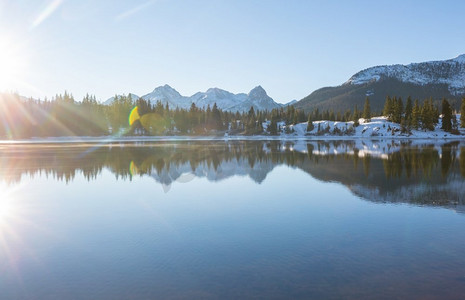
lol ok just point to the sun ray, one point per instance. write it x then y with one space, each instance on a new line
134 10
46 12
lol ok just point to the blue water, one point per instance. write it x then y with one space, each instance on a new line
270 231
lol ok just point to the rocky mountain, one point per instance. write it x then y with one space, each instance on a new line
449 72
167 94
256 98
435 79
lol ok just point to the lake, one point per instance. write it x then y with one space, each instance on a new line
232 220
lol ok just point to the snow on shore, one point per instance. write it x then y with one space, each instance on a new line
377 127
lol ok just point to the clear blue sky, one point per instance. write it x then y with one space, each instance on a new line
290 48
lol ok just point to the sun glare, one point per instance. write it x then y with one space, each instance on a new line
12 65
6 204
6 208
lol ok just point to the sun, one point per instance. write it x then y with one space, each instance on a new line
12 65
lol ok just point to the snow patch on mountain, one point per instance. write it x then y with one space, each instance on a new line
167 95
256 98
223 99
450 72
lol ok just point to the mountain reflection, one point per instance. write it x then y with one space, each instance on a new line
381 171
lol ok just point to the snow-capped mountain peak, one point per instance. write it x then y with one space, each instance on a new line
460 59
450 72
257 92
165 91
258 99
258 95
225 100
218 93
167 94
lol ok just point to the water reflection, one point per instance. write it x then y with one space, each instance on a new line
383 171
272 231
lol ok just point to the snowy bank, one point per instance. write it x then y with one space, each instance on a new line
377 127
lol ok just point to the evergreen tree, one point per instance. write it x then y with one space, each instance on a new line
356 114
310 125
216 118
290 113
302 115
159 109
428 115
316 115
416 115
462 113
273 127
194 119
347 115
251 121
434 111
446 116
325 115
331 116
387 111
408 112
398 110
455 125
367 110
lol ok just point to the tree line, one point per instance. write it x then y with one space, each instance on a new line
423 116
64 116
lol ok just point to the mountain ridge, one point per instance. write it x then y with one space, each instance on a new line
225 100
450 72
436 79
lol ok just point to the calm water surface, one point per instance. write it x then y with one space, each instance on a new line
232 220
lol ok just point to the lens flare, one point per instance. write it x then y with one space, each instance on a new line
134 115
153 123
133 168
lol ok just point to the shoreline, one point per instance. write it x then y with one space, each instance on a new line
107 139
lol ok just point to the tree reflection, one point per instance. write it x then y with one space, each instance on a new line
385 166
